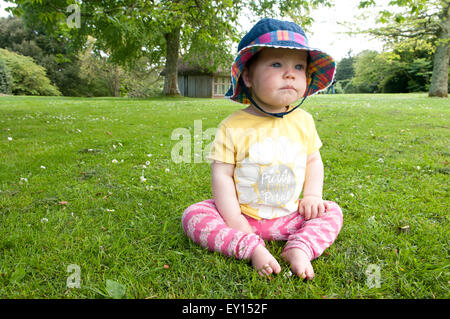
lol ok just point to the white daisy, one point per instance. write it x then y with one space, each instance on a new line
287 152
263 152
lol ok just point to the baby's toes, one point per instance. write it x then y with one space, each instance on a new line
264 262
275 266
304 272
266 270
271 267
299 271
309 272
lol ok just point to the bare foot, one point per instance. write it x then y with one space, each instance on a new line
300 263
264 262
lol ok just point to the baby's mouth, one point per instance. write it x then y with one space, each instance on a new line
288 87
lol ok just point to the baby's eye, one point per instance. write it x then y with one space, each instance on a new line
276 65
299 67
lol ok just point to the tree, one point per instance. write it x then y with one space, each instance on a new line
104 78
297 10
129 30
370 70
159 30
27 78
101 77
427 20
414 60
61 64
439 79
143 80
404 69
344 68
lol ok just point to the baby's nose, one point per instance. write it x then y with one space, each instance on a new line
289 73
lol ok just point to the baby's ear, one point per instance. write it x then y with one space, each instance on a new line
246 77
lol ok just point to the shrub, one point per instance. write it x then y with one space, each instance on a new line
28 78
5 78
345 86
396 83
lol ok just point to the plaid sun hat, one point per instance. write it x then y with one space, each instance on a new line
280 34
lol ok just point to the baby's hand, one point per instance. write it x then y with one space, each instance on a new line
312 206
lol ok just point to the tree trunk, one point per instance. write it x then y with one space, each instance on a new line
117 87
173 47
439 78
117 76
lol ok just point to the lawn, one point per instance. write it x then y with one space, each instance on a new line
91 200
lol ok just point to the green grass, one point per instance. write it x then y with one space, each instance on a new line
386 163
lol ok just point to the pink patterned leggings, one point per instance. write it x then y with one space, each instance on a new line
203 224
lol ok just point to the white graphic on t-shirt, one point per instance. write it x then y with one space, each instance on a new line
276 185
271 177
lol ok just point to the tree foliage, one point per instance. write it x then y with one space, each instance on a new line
407 68
52 53
202 30
420 20
27 78
104 78
297 10
129 30
345 69
5 79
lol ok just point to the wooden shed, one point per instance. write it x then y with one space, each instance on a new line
196 81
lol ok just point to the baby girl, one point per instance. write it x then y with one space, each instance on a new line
266 155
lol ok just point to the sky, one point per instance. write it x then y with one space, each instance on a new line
327 33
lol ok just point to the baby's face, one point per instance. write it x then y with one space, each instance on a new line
277 78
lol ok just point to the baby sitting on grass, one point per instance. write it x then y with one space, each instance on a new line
266 154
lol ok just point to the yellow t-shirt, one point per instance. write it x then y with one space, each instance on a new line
269 155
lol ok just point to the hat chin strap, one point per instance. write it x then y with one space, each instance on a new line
279 115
